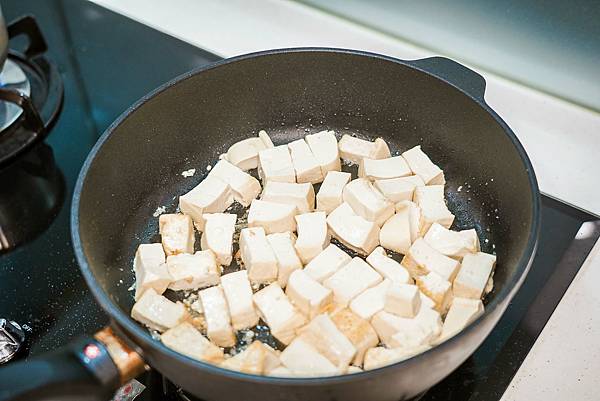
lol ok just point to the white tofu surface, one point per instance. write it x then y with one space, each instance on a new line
262 134
473 276
403 300
415 218
157 312
437 288
381 356
258 256
430 199
288 261
422 166
244 186
395 233
354 149
218 235
177 233
307 294
238 293
329 341
216 314
187 340
191 272
351 280
305 163
424 328
300 195
352 230
326 263
210 196
462 312
275 164
251 360
302 359
367 202
330 193
244 154
422 259
313 235
399 189
360 333
381 169
370 301
279 313
324 147
150 269
271 216
455 244
388 267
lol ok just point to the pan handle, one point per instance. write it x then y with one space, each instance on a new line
454 73
91 368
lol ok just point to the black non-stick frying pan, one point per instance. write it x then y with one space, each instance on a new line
136 166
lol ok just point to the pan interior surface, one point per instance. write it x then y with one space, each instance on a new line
290 94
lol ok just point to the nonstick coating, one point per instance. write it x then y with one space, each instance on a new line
136 167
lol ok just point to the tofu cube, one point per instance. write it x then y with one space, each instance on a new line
177 233
288 261
150 269
353 369
218 236
388 267
454 244
330 193
275 164
399 189
251 360
473 276
258 256
310 297
430 199
305 163
300 195
323 334
462 312
244 154
353 149
262 134
157 312
395 233
238 293
278 312
426 302
367 202
302 359
187 340
210 196
216 314
326 263
244 186
422 259
351 280
437 288
360 333
415 218
324 147
281 371
273 217
381 356
424 328
422 166
313 235
352 230
381 169
403 300
371 300
190 272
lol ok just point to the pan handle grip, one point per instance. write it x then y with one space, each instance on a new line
90 368
454 73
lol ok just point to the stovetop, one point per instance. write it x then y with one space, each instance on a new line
107 62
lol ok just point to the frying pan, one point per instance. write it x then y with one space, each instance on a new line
188 122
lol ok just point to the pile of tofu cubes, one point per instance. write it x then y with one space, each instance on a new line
332 313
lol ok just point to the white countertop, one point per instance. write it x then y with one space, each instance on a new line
562 140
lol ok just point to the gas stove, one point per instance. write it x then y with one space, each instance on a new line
106 62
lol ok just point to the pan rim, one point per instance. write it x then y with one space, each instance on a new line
130 326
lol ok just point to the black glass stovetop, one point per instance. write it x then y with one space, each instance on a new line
107 62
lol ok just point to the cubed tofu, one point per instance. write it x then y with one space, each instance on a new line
422 166
371 300
324 335
360 333
380 356
218 236
388 267
395 233
300 195
455 244
330 193
424 328
273 217
191 272
353 369
399 189
238 293
352 230
381 169
187 340
258 256
307 294
218 319
302 359
422 259
150 269
367 202
244 154
473 276
403 300
351 280
288 261
426 302
281 371
437 288
430 199
415 218
279 313
251 360
326 263
325 148
243 185
313 235
176 233
462 312
272 360
210 196
262 134
305 163
157 312
275 164
353 149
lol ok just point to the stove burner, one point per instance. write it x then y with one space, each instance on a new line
12 77
12 337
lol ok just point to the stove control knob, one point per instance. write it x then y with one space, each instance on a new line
12 337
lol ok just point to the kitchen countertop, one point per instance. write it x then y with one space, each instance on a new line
562 140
